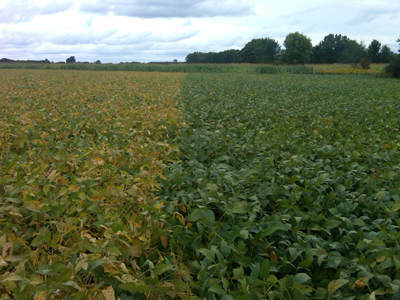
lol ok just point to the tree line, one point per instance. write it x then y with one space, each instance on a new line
298 49
69 60
7 60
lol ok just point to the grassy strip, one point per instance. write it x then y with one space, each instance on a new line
289 187
186 68
325 67
356 71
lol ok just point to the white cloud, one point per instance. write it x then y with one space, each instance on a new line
24 10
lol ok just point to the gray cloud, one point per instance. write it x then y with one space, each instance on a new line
25 38
110 37
23 11
369 14
168 8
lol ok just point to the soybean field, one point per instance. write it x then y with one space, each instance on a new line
125 185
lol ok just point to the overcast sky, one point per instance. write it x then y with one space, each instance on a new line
163 30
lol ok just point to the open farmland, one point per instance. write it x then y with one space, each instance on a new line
210 186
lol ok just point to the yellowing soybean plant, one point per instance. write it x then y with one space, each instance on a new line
80 157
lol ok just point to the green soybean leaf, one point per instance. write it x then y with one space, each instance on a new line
265 269
207 253
159 269
301 278
238 207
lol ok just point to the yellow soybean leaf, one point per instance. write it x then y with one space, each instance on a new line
164 240
98 161
109 293
73 188
15 214
182 207
180 218
33 257
63 191
5 249
12 278
108 269
336 284
358 284
136 250
40 295
380 258
3 263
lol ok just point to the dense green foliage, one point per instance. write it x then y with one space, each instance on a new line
289 187
223 57
297 48
394 67
338 49
373 51
386 54
7 60
334 48
70 60
260 51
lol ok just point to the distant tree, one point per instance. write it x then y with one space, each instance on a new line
193 58
97 62
353 52
393 69
175 61
6 60
386 55
264 50
210 58
317 55
298 48
44 61
398 40
374 51
337 48
330 49
224 57
71 60
229 56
